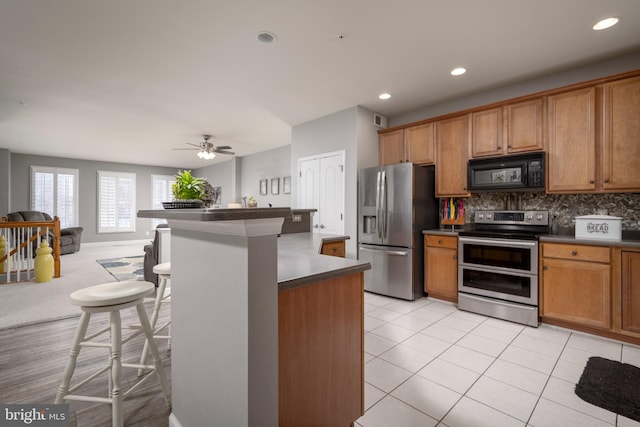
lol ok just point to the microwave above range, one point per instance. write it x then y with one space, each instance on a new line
522 172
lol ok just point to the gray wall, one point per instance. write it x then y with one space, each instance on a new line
576 75
221 175
351 130
87 191
5 181
269 164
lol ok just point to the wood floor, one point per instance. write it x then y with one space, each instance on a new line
33 358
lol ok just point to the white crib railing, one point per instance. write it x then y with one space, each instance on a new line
19 241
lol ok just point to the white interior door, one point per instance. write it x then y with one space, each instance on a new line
322 187
309 196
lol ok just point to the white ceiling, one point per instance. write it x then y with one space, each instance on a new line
129 81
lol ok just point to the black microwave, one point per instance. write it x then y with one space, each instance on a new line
521 172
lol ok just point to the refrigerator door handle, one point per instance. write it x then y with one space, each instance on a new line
386 252
383 208
378 211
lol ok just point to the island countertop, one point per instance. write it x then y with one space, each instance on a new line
216 214
300 262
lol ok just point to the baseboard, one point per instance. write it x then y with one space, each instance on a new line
173 421
118 243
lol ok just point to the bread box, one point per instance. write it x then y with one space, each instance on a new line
599 227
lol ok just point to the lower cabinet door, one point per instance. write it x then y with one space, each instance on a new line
578 292
441 273
631 292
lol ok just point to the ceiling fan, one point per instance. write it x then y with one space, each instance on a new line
207 150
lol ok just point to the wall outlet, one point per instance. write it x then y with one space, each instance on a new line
297 218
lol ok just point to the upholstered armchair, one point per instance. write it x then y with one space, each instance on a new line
69 237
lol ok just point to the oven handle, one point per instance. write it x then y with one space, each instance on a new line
519 243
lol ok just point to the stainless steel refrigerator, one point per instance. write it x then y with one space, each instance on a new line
395 203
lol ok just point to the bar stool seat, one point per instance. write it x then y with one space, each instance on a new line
112 298
164 275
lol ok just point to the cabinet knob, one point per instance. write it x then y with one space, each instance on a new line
499 147
606 181
574 253
545 268
455 256
508 146
440 241
591 181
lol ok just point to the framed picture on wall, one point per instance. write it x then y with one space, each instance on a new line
263 187
275 185
286 185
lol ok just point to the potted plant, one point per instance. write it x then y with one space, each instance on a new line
187 191
252 202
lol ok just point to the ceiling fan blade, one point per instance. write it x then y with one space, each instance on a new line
222 147
190 149
226 152
195 145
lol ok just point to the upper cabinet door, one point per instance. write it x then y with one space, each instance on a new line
452 152
571 133
525 126
391 148
621 135
419 141
486 133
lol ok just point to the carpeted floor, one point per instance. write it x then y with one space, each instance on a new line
30 302
124 268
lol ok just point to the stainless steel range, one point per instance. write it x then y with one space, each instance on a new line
498 265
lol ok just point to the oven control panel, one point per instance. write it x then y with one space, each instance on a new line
512 217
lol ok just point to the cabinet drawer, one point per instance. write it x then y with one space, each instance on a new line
577 252
334 248
441 241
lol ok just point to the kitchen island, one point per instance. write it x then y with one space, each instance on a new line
265 331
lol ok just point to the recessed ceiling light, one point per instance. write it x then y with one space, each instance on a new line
266 37
605 23
458 71
384 96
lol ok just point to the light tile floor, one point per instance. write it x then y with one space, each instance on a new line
429 364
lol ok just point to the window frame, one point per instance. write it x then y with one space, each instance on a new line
132 207
157 204
55 171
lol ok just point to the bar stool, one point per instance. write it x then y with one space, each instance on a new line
164 274
111 298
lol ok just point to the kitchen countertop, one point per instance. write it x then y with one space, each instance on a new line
630 239
216 214
300 262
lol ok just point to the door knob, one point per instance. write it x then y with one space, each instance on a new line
315 225
321 226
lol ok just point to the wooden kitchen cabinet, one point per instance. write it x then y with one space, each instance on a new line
620 136
419 142
391 148
333 248
452 153
441 267
571 132
575 284
514 128
630 282
486 133
413 144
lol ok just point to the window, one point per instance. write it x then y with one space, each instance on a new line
160 192
116 202
55 191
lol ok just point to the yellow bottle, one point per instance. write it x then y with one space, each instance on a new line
44 263
3 243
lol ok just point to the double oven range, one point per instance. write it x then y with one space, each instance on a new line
498 264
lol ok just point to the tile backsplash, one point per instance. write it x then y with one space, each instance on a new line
565 207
